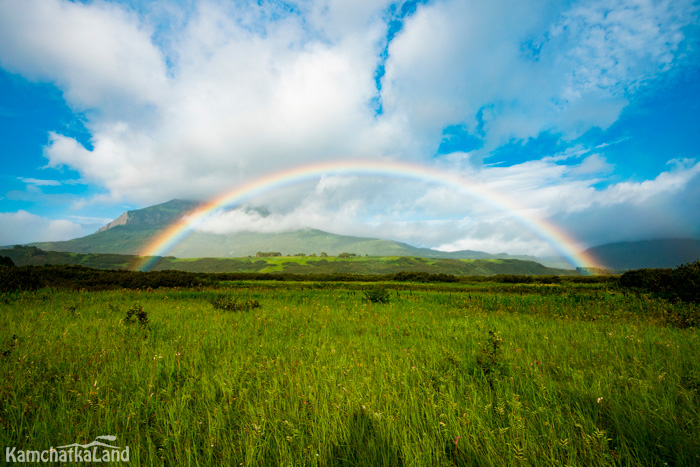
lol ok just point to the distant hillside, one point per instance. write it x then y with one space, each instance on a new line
660 253
22 256
132 231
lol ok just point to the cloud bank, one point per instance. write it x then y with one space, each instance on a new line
23 227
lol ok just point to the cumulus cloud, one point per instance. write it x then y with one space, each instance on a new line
190 102
231 94
98 53
672 181
23 227
526 70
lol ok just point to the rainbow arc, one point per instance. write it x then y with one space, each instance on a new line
562 242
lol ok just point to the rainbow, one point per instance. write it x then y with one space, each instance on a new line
179 230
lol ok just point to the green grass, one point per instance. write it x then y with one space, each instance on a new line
577 375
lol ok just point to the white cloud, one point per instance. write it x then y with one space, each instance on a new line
99 54
237 103
641 192
528 69
91 221
244 94
23 227
593 165
496 242
313 213
39 182
330 183
619 44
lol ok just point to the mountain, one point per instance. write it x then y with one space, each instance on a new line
132 231
659 253
153 217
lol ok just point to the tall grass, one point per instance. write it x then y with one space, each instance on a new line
323 376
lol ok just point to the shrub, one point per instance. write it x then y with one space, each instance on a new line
377 294
16 279
225 303
136 314
686 282
682 283
489 358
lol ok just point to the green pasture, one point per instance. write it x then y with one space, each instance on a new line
441 374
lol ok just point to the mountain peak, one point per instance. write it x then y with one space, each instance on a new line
156 216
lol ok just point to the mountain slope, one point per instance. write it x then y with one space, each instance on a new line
660 253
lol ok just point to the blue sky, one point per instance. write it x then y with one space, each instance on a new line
585 112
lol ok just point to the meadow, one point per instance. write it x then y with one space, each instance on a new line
310 373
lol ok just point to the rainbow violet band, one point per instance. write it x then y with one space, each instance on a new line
545 229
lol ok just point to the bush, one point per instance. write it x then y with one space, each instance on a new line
377 294
686 282
136 314
682 283
232 304
14 279
489 358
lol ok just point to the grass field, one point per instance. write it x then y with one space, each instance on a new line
439 375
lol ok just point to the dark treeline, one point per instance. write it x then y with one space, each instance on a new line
682 283
14 278
80 277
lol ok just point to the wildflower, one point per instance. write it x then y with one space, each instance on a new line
457 440
599 400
